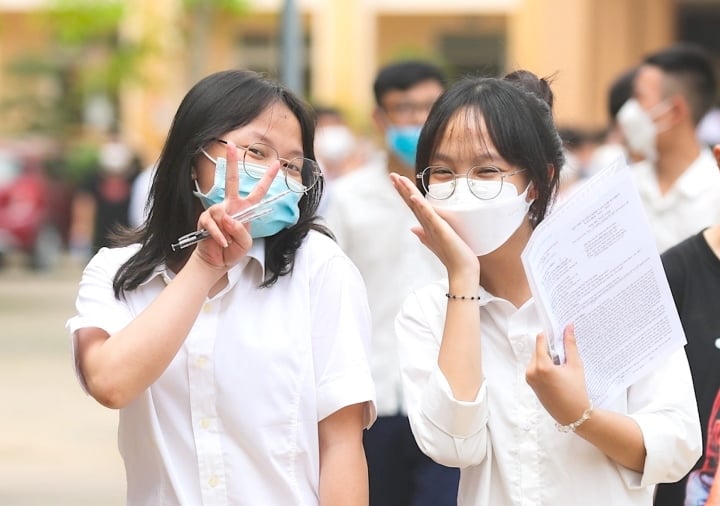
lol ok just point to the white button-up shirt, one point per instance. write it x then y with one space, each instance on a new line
233 420
692 204
372 225
506 444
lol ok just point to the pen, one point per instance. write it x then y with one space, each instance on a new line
246 215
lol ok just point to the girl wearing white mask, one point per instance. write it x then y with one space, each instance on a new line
482 392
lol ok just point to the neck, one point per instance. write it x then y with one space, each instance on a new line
678 152
502 272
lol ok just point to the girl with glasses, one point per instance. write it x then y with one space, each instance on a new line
483 393
239 364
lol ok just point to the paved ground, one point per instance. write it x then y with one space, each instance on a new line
57 446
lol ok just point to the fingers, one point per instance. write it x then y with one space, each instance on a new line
542 355
210 220
572 355
262 187
232 175
716 152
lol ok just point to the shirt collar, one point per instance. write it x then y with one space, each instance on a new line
257 253
694 180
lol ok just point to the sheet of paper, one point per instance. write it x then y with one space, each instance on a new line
593 262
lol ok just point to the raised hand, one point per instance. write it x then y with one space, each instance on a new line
434 232
230 240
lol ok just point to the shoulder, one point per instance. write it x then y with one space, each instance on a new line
318 249
111 259
683 251
428 301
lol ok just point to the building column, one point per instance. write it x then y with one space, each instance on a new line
343 57
148 102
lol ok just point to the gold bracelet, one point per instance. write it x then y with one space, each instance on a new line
577 423
462 297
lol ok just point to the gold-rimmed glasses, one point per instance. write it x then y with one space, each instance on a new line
439 181
300 173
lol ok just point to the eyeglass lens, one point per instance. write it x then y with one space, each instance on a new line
304 171
484 182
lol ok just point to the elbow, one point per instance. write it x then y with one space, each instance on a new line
107 392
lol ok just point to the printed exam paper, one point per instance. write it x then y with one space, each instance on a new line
593 262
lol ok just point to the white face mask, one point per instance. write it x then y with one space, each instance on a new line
638 127
484 225
334 143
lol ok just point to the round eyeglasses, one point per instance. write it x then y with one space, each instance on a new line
300 173
485 181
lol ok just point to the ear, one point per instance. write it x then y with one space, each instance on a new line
680 110
716 152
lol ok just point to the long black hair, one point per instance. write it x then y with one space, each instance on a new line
519 121
217 104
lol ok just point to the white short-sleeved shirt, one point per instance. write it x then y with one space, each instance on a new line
506 444
372 225
692 204
234 417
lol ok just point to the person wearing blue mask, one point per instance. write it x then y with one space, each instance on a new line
238 362
372 225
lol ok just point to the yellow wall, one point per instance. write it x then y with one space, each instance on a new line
587 43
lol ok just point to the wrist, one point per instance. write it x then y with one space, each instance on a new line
202 271
573 426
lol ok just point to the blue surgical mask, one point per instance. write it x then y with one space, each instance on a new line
403 141
285 211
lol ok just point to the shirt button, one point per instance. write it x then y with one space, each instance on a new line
201 362
205 423
207 308
213 481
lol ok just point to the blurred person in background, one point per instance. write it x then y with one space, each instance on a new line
693 272
238 364
372 225
613 145
101 203
678 181
337 149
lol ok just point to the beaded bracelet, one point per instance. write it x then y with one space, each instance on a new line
461 297
577 423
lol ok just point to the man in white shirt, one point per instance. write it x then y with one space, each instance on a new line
678 180
372 225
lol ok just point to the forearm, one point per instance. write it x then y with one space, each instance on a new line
617 436
343 468
460 357
344 476
119 368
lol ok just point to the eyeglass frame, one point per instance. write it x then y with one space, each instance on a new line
284 162
503 175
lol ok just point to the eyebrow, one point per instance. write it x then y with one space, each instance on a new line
479 159
264 140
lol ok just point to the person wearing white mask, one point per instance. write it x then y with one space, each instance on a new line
677 178
372 226
483 394
337 150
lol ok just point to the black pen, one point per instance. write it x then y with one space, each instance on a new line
246 215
